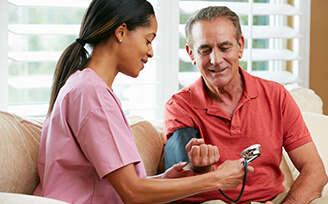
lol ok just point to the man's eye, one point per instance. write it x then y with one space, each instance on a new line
204 52
225 48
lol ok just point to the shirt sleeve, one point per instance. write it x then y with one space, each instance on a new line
176 116
295 130
107 141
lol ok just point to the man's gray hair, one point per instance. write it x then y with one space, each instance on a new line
208 14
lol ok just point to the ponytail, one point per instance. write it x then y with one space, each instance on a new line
75 57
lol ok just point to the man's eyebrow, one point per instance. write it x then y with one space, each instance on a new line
203 46
225 43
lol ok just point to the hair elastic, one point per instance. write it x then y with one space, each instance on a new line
79 40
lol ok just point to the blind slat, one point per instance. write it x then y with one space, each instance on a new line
189 7
262 32
44 29
51 3
32 81
34 56
257 55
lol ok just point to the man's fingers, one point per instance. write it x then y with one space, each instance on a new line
203 155
214 154
194 152
193 142
204 149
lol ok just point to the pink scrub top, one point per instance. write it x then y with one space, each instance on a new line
85 137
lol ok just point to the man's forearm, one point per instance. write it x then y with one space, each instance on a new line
307 187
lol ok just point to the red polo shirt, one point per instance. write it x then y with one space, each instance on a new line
266 115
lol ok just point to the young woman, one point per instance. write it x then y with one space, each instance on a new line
87 151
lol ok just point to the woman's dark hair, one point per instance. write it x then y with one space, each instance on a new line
99 23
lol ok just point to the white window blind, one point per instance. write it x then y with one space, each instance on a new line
38 32
277 48
276 34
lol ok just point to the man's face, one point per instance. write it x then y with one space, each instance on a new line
216 51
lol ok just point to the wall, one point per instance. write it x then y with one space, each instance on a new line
319 50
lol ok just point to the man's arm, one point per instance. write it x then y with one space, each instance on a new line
185 145
312 178
202 156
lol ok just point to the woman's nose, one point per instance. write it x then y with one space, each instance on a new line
150 53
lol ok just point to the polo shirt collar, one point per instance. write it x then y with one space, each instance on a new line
200 99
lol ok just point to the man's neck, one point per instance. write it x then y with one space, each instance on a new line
228 96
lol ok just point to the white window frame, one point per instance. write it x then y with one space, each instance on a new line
4 55
167 50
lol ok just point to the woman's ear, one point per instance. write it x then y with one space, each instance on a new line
120 32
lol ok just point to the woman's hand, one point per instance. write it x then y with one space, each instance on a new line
231 174
177 171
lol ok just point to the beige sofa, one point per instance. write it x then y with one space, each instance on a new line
20 138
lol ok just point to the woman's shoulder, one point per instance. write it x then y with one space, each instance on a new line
87 89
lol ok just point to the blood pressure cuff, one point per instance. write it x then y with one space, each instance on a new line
175 148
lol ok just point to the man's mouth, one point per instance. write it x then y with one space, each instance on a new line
217 70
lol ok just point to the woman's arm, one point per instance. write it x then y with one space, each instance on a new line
133 189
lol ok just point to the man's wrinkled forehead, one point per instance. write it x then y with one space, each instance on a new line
203 29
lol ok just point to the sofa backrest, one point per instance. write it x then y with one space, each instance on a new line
19 147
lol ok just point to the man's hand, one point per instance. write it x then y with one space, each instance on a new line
201 155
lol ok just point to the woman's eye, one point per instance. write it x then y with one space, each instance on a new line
148 42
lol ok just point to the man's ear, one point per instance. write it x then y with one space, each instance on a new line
241 44
191 54
120 32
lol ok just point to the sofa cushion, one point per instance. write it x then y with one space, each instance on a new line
13 198
285 168
318 127
149 145
19 148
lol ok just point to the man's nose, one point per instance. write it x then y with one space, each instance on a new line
216 56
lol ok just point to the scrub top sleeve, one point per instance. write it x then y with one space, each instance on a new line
107 141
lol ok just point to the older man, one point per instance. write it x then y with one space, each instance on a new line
231 110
